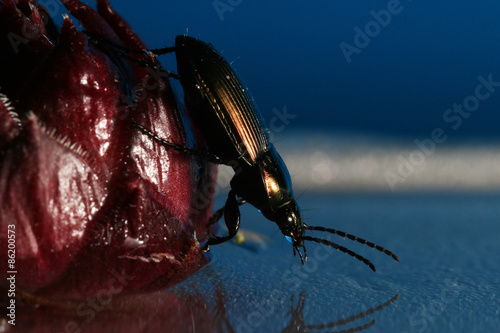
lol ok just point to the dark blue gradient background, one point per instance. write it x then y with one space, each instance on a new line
288 53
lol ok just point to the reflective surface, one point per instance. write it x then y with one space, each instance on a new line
447 281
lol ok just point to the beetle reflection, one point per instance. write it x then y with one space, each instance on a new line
298 325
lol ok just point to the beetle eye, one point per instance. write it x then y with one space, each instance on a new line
287 221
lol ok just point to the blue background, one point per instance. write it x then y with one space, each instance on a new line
426 59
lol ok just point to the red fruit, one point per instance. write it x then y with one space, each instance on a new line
91 198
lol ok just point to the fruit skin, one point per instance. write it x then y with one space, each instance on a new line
91 198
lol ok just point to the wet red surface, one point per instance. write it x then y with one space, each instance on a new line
94 202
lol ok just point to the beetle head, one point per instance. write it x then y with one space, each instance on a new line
291 225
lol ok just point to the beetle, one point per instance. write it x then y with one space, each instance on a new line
232 126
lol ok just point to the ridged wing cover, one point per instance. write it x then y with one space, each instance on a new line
200 65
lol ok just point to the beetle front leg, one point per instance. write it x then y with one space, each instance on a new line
231 217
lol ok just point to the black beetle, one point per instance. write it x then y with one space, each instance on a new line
229 121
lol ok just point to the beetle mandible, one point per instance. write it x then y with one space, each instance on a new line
229 121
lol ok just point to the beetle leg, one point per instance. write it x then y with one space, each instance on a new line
109 47
231 217
215 217
203 154
218 214
164 50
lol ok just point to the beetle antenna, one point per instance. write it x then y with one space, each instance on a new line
340 248
354 238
